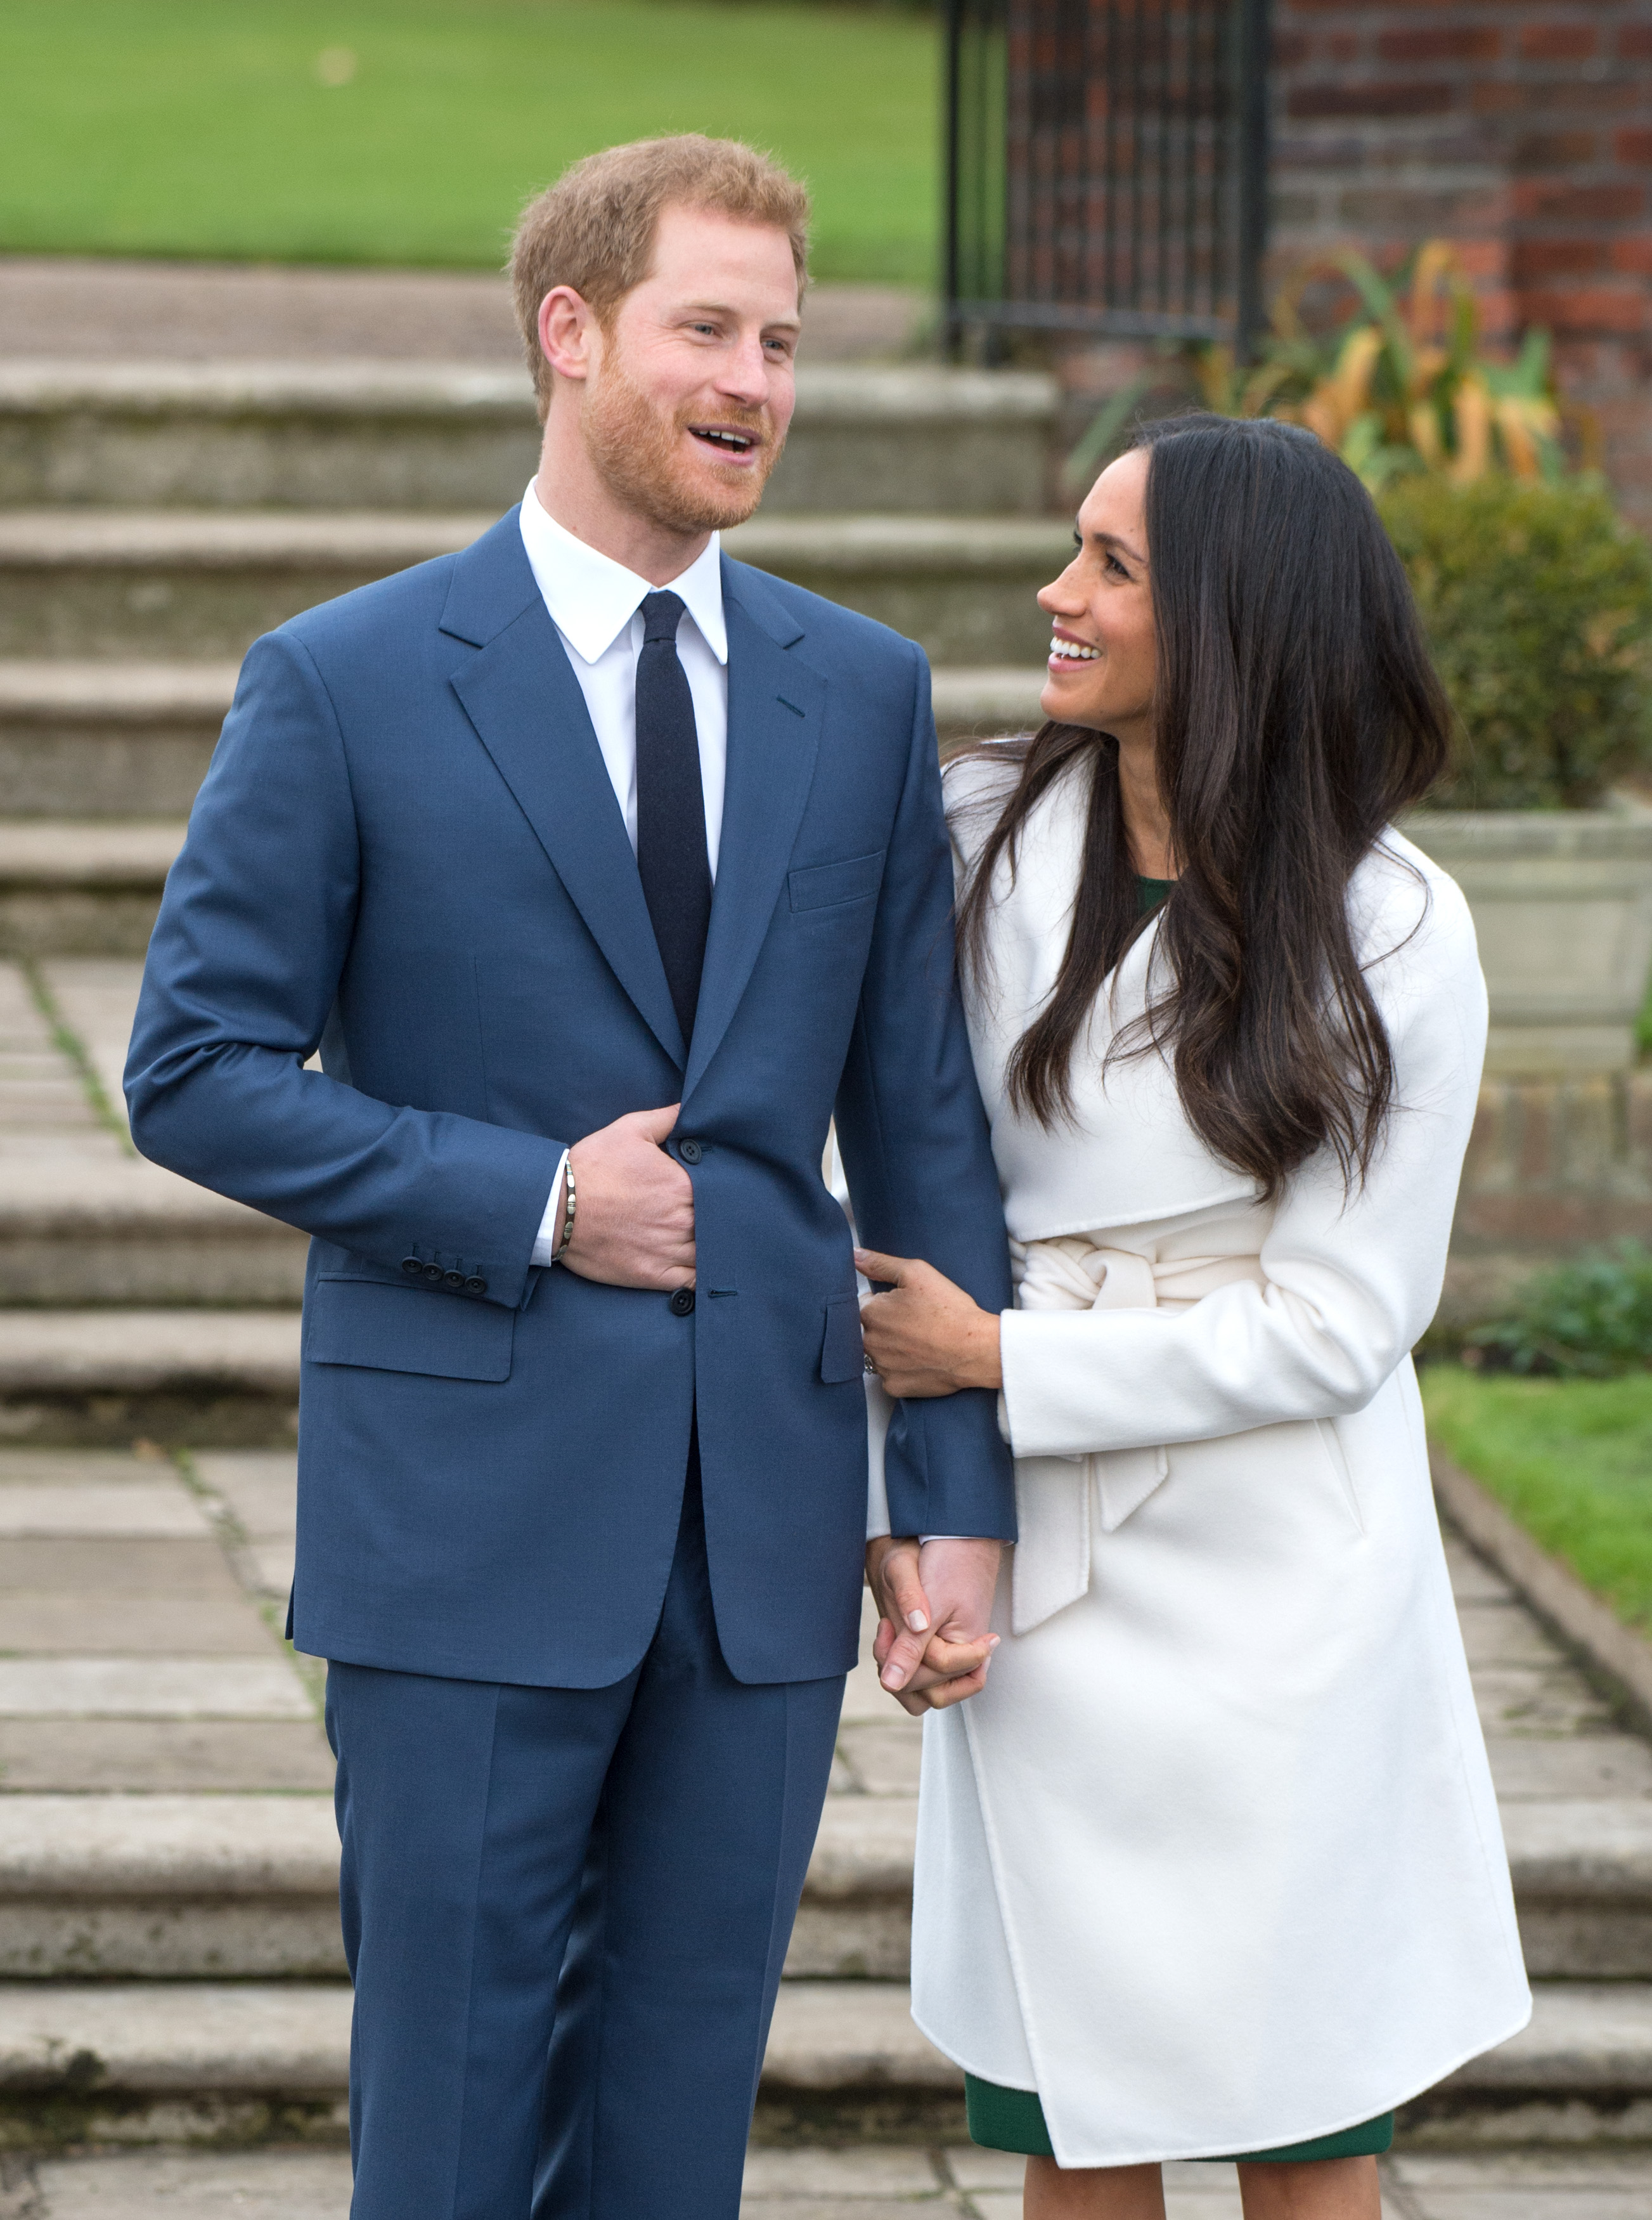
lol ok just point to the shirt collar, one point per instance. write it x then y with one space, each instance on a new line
592 598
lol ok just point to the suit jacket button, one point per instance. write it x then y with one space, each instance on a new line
681 1301
690 1151
412 1264
453 1279
474 1287
433 1272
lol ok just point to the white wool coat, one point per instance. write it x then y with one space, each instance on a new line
1213 1860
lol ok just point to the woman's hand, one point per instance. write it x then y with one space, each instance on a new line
925 1337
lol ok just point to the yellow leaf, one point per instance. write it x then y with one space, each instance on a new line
1472 408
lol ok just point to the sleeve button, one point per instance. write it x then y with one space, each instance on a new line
682 1302
412 1264
435 1273
453 1279
474 1287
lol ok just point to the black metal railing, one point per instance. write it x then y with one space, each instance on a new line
1106 168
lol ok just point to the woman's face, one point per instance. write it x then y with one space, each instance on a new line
1101 654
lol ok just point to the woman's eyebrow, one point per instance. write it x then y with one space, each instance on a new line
1112 540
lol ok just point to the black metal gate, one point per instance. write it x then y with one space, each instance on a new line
1106 168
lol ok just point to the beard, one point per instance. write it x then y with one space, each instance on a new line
638 448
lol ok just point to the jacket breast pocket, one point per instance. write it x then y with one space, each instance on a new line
831 886
385 1328
842 1350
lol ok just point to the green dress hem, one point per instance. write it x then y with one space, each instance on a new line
1012 2120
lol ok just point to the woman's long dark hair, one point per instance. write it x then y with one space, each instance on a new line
1296 712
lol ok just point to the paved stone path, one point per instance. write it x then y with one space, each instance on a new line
140 1651
88 311
869 2183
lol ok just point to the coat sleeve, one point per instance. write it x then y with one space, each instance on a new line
242 973
915 1147
1350 1282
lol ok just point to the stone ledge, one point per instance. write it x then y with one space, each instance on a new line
125 1199
117 692
189 1847
1552 1590
193 2036
47 853
826 393
115 1352
146 540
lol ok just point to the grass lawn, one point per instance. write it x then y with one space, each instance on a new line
1570 1459
206 128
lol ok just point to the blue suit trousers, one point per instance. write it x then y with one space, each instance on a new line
565 1912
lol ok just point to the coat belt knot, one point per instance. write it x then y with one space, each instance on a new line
1081 1272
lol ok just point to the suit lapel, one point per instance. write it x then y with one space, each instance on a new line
776 704
520 692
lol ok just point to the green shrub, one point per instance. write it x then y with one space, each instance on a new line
1537 600
1588 1318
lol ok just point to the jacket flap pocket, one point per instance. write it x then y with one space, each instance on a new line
823 886
385 1328
842 1350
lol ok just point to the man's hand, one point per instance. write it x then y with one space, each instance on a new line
633 1205
932 1647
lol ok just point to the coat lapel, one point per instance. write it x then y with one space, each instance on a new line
520 692
776 703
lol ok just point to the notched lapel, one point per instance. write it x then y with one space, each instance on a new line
520 692
775 706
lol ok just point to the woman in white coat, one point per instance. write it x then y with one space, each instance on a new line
1210 1866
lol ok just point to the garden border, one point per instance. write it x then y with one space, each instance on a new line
1570 1611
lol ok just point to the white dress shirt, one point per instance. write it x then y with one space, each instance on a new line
596 605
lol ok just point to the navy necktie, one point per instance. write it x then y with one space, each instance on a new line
671 855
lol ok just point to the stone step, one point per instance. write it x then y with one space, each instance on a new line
116 738
83 1230
108 740
83 886
104 1378
170 583
127 2063
245 1887
436 436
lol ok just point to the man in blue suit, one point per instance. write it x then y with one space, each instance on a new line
600 869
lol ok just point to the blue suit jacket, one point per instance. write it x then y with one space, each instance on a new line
407 851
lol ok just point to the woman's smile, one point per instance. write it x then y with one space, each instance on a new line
1066 649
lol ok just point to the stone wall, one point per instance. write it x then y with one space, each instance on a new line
1554 1165
1520 128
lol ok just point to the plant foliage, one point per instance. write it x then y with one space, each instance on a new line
1537 601
1402 386
1588 1318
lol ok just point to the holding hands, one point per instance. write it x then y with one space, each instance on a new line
932 1647
924 1336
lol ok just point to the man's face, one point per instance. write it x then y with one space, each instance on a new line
686 409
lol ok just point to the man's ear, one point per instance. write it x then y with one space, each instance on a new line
570 336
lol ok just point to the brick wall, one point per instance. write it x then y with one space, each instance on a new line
1520 128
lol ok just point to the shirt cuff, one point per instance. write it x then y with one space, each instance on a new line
550 1235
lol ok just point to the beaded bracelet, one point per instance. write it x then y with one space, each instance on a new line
567 1211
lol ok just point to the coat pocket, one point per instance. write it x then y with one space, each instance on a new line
385 1328
842 1350
828 886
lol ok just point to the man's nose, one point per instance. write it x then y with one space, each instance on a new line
745 375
